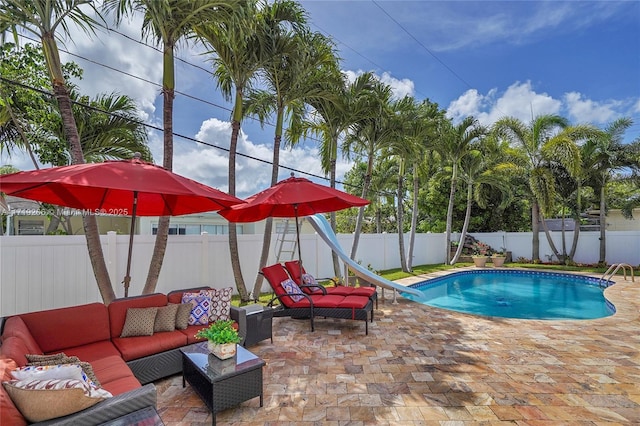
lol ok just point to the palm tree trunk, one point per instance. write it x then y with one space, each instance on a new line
465 226
549 239
162 236
535 229
452 193
337 272
414 217
400 214
602 261
89 221
359 220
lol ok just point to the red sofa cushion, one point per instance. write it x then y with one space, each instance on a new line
93 351
58 329
122 385
191 331
175 296
9 414
141 346
15 326
110 369
118 309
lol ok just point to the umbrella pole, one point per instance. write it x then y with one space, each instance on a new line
127 277
295 209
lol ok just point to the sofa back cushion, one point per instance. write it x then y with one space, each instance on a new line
15 326
14 348
118 309
175 296
58 329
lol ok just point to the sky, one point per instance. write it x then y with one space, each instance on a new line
488 59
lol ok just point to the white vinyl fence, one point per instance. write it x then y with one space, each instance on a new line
45 272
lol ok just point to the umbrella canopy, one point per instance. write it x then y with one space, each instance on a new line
126 188
292 197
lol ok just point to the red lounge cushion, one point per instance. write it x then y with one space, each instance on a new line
320 301
363 291
118 309
141 346
58 329
9 414
357 302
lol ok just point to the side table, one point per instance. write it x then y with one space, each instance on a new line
222 384
259 324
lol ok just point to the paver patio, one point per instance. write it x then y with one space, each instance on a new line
428 366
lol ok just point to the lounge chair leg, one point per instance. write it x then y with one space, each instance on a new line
366 328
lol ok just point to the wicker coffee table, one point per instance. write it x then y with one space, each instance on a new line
222 384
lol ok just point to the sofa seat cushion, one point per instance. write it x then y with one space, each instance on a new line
55 330
111 368
9 413
93 351
320 301
140 346
122 385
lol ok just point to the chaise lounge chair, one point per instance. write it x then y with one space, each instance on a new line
297 304
310 285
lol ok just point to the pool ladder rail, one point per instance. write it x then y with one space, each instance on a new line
612 271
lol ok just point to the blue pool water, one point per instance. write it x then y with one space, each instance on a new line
517 294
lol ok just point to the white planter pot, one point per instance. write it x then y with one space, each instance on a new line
222 351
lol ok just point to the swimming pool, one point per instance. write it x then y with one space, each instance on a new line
517 294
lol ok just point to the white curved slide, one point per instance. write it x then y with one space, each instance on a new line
323 228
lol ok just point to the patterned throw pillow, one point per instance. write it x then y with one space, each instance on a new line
40 400
200 308
165 318
139 322
220 303
62 358
309 279
292 289
49 372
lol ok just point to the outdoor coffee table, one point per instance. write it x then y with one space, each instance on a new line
222 384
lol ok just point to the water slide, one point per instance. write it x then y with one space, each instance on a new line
323 228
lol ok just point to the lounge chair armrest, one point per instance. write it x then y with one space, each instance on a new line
239 315
321 287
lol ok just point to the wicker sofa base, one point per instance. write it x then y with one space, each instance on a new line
156 366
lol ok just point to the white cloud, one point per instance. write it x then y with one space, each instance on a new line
400 88
583 110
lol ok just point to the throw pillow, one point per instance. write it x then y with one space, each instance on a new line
40 400
139 322
62 358
200 308
220 303
49 372
292 290
165 318
182 316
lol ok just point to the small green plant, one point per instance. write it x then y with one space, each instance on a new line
220 332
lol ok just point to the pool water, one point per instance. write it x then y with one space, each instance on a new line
517 294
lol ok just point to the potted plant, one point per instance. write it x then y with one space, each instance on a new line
221 337
481 253
498 258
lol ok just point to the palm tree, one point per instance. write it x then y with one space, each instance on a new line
372 99
238 58
43 18
168 22
605 155
536 142
453 144
291 57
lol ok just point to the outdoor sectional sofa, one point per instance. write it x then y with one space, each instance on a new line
295 303
124 366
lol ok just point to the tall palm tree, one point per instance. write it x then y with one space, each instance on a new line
534 140
236 49
372 99
43 18
167 23
605 155
453 144
291 57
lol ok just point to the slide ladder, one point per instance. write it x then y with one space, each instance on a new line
613 269
323 228
286 242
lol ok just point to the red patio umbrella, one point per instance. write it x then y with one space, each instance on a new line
292 197
126 188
